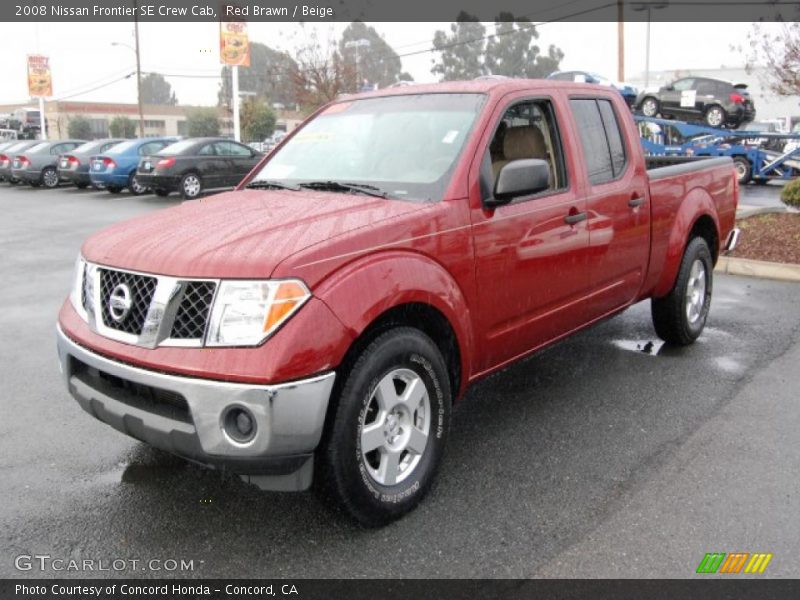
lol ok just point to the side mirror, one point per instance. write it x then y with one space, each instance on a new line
520 178
668 88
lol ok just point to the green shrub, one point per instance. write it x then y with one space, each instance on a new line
791 193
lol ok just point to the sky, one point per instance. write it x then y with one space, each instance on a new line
82 55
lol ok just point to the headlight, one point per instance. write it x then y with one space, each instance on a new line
245 313
76 294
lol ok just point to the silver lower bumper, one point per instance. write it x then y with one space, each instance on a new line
185 415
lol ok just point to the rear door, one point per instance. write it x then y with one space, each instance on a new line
618 213
679 100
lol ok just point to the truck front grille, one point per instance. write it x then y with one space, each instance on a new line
118 303
140 292
192 317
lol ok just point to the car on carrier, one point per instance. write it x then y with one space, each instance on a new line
715 102
317 325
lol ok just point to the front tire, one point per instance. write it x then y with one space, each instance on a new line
386 435
680 316
715 117
135 188
650 107
744 171
161 193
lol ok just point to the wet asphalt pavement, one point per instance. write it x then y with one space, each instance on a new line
603 456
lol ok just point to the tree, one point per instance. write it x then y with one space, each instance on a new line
79 128
780 53
157 90
257 120
461 52
511 50
378 63
122 127
320 75
202 121
269 76
467 52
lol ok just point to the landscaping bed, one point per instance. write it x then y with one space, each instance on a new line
770 237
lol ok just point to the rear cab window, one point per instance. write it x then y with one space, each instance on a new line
601 139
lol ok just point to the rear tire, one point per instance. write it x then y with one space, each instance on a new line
744 170
715 116
50 178
191 186
81 186
113 189
680 316
386 434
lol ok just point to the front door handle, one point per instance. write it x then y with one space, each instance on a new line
636 202
573 218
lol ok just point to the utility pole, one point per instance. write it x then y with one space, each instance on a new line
620 41
138 69
237 133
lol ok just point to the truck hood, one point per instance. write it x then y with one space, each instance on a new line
242 234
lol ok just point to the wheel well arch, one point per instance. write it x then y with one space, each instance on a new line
424 317
704 227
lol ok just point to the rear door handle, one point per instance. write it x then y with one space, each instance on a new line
636 202
573 218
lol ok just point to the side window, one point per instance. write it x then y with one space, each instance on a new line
207 150
706 87
615 143
601 140
150 148
684 84
238 150
527 130
58 149
107 146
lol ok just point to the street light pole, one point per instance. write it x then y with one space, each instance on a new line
620 41
362 43
648 6
138 71
138 76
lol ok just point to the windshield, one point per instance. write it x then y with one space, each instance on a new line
177 147
406 146
123 147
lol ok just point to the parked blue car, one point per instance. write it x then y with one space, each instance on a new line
628 91
116 169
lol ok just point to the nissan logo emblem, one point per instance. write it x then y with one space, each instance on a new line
119 302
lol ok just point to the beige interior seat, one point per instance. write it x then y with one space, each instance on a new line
526 141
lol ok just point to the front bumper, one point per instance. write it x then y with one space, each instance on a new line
185 416
28 176
73 176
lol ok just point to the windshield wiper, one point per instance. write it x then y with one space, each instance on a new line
264 184
340 186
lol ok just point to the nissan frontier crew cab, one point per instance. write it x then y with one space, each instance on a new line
322 319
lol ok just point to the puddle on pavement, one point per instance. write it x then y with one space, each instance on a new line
728 364
651 347
135 473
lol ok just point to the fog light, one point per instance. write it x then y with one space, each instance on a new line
239 424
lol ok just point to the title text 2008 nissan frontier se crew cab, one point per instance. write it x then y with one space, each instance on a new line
323 318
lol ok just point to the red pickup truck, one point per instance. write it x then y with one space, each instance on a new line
323 318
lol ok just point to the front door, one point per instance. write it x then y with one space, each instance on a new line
531 256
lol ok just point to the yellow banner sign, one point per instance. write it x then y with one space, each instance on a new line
234 45
40 81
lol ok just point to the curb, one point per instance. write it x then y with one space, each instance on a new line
758 268
751 211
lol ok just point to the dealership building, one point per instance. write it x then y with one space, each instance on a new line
159 120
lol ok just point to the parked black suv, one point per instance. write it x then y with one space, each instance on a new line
716 103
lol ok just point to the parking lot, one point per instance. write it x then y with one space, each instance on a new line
607 455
